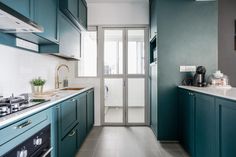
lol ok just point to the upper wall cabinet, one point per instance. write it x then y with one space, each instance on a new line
22 6
76 11
82 13
45 14
69 43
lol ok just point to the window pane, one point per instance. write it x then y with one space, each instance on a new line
87 66
136 100
136 52
113 100
113 52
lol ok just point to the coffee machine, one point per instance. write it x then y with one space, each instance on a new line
199 77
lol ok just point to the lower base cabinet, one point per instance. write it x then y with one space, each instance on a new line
207 124
187 116
205 128
72 120
226 127
68 145
82 118
90 110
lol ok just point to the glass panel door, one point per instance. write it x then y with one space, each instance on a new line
113 72
124 76
136 78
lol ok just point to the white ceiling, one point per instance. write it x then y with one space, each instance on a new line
115 1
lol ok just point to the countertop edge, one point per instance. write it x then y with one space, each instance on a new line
19 116
229 94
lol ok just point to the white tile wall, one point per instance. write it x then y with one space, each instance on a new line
18 67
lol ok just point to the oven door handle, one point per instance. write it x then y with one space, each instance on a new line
47 152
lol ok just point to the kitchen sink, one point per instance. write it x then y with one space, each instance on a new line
72 88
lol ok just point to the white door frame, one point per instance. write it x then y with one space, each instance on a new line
125 75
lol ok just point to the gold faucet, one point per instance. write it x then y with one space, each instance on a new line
57 81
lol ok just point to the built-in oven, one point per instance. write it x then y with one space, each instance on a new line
37 145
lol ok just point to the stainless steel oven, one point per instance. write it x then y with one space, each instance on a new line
37 145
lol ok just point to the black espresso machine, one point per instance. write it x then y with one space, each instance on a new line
199 77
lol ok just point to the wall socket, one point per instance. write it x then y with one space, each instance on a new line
187 68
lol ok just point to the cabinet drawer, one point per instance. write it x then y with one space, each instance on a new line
68 116
69 144
20 127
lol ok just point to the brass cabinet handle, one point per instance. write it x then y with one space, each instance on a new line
73 100
28 122
72 134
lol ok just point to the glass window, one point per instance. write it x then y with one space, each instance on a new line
87 66
113 52
136 52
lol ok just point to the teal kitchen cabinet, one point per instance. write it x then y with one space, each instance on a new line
69 40
55 121
90 110
64 128
226 126
82 117
154 99
153 18
68 116
205 126
82 13
23 6
45 14
19 131
76 11
68 145
187 119
69 8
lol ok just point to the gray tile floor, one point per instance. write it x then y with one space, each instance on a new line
127 142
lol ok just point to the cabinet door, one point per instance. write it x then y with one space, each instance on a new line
68 113
205 133
186 121
22 6
153 18
69 7
90 110
69 38
82 13
45 14
154 95
68 146
82 118
55 117
226 126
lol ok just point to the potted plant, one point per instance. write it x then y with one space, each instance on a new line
37 85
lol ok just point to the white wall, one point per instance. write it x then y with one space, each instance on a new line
18 67
118 13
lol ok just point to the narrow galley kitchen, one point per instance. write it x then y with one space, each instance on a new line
103 78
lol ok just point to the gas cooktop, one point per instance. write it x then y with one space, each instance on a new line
14 104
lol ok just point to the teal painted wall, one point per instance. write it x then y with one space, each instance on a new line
187 35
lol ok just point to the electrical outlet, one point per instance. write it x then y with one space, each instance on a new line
184 68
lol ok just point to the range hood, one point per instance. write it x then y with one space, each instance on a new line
13 22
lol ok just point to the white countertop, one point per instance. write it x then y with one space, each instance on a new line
219 92
60 96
